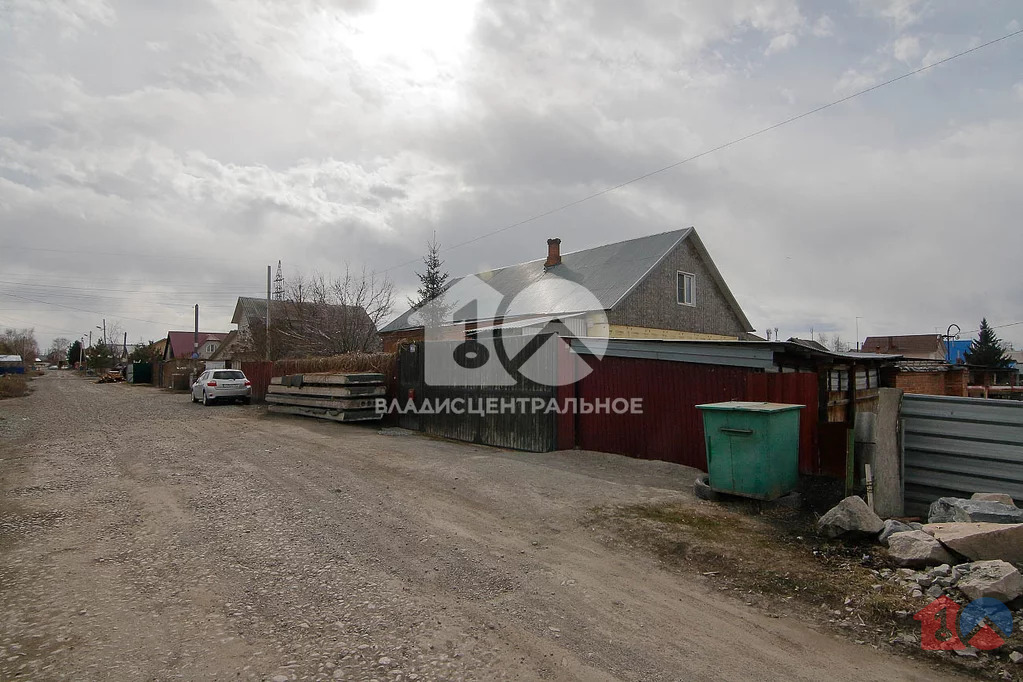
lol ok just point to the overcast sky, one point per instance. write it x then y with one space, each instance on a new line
154 155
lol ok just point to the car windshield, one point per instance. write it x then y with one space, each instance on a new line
228 374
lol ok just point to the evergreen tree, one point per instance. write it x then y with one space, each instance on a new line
431 282
987 350
74 353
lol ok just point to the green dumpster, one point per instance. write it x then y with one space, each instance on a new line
752 448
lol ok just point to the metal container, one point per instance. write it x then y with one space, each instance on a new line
752 447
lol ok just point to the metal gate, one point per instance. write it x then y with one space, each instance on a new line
959 446
520 429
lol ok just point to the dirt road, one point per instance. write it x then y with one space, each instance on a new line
144 537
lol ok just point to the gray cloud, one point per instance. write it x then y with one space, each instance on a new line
322 132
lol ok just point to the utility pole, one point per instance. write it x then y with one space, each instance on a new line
268 312
858 333
195 335
105 343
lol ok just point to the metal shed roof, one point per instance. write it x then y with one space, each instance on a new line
753 354
10 358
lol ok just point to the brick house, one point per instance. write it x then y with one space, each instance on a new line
916 346
662 286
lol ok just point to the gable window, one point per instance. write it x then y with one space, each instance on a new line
211 347
686 288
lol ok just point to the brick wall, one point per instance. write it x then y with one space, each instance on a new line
654 303
933 383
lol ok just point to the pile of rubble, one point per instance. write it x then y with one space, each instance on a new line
970 546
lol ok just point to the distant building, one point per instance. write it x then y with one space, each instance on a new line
11 364
917 346
300 329
181 345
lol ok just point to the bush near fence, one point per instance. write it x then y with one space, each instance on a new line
350 362
13 386
259 373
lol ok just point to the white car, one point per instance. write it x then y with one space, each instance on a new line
222 384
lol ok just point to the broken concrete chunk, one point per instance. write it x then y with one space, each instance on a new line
995 579
850 518
958 510
941 510
981 541
917 548
891 526
994 497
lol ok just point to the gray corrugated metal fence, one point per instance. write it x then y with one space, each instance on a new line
959 446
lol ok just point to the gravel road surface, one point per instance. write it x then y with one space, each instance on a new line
146 538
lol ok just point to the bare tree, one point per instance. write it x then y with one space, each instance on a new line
324 315
58 350
20 342
834 343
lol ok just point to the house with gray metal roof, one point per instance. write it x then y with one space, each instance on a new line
662 286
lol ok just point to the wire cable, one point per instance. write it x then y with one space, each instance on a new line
761 131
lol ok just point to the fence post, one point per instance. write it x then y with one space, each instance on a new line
887 458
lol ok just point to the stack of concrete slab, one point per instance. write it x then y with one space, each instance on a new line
340 397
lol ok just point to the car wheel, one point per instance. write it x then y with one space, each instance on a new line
206 399
191 394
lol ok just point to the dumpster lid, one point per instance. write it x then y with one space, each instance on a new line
744 406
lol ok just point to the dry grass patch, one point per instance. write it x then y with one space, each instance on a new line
350 362
757 549
13 386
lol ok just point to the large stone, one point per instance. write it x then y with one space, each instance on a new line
850 518
996 579
958 510
916 548
891 526
981 541
994 497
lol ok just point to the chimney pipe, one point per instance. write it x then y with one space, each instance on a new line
553 253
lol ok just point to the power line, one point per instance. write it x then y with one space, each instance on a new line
130 291
718 148
83 310
999 326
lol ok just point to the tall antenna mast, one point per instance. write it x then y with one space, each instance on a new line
279 284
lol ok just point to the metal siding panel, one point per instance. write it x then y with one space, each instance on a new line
959 446
670 427
259 373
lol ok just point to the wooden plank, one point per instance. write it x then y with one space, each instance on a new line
328 391
342 416
275 381
327 403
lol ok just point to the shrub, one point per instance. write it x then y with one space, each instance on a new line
13 386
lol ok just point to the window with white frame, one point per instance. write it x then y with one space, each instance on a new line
211 347
686 288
